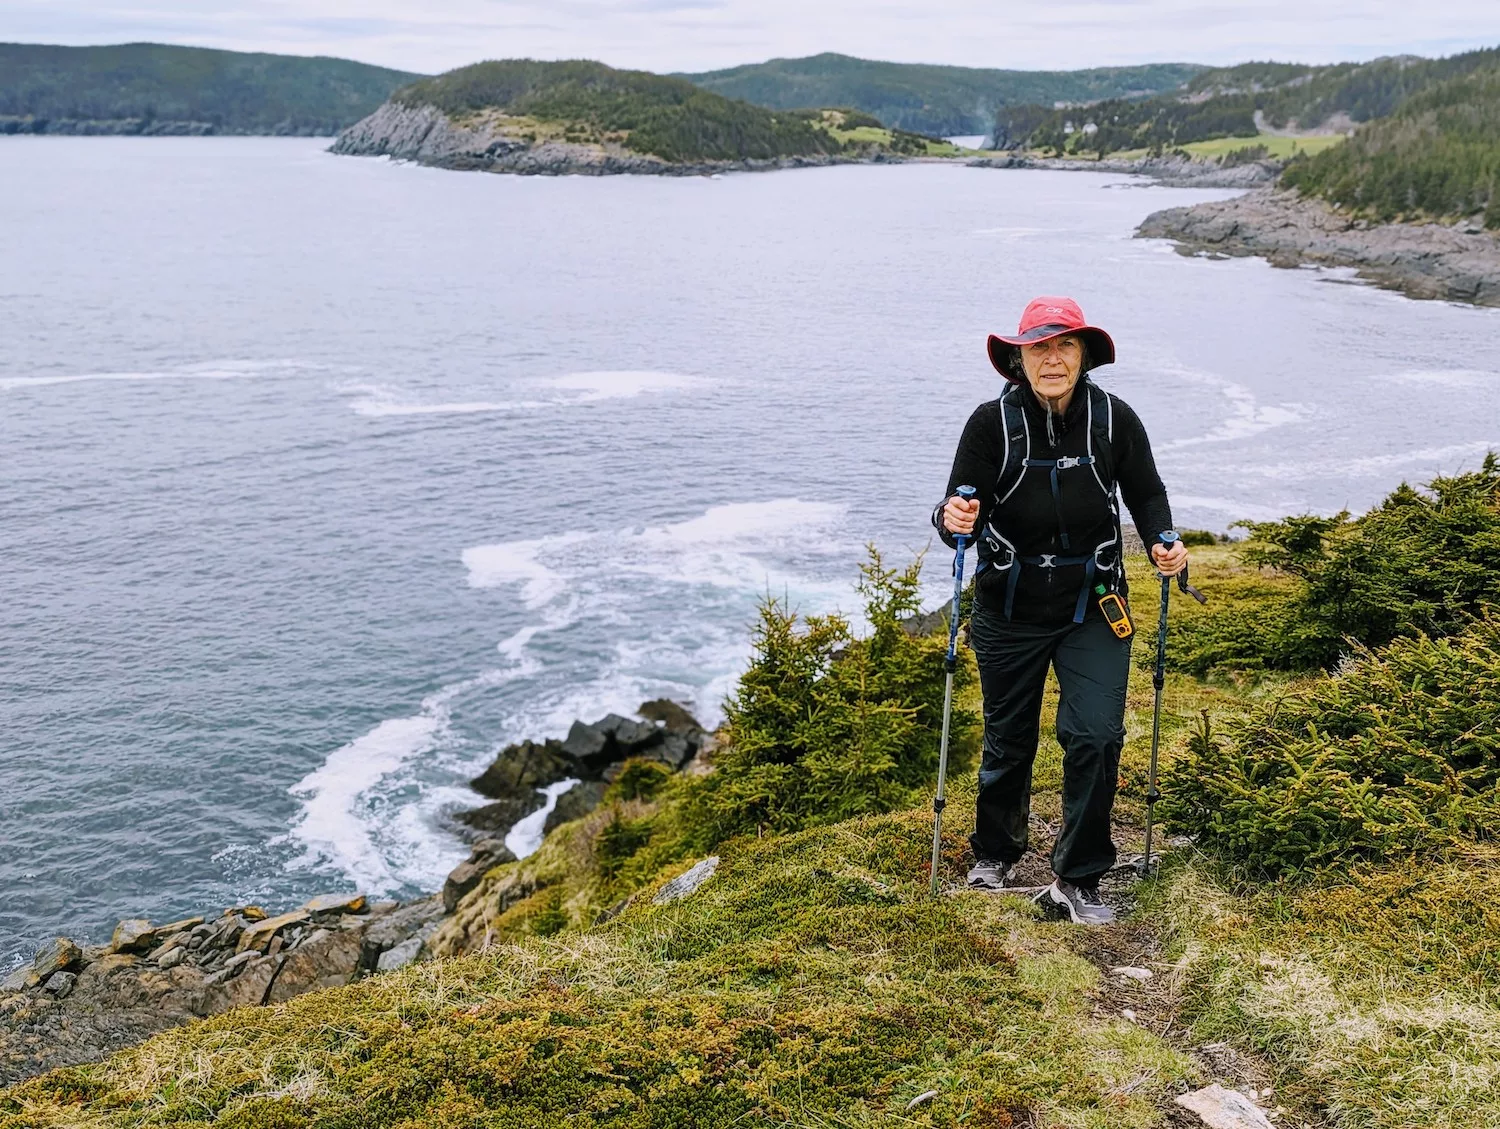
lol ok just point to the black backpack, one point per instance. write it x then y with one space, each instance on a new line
1103 564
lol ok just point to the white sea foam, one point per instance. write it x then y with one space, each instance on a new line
330 825
517 562
344 822
378 400
620 385
1246 416
1450 457
1232 508
1453 378
526 836
1010 232
382 400
212 370
375 810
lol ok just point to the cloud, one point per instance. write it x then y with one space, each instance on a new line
689 35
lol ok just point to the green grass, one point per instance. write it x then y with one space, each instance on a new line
1279 148
1376 997
813 983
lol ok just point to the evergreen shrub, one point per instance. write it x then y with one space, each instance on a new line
1422 562
825 726
1396 752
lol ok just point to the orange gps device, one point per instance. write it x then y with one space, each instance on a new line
1115 613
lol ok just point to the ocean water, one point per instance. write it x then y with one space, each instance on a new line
324 478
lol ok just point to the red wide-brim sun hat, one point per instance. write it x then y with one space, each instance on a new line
1044 319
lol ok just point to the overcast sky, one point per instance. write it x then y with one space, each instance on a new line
668 35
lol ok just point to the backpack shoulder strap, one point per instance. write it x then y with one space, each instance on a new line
1015 438
1102 436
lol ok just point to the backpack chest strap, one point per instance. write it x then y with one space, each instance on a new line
1055 465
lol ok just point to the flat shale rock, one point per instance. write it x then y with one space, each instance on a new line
1458 263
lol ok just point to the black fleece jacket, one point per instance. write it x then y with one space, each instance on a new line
1028 518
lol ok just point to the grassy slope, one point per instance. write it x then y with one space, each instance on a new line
234 91
813 983
1277 148
937 100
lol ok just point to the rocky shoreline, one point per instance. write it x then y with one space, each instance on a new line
1452 263
1169 171
11 124
75 1003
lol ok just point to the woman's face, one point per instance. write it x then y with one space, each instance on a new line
1053 367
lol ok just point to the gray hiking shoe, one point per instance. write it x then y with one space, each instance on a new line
1082 904
991 874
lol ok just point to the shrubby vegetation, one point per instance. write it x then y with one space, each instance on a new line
1293 94
667 117
1398 752
1224 103
1422 562
812 981
150 83
825 726
1438 155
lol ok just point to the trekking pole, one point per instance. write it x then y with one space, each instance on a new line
1159 680
961 542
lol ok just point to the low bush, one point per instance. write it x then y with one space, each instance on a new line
1422 562
1395 753
824 726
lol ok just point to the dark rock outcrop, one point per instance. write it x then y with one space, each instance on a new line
499 817
1458 263
575 803
485 855
591 753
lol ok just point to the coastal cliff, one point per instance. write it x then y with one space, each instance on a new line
1459 263
494 141
521 116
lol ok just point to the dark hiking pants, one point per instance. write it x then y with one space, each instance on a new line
1092 667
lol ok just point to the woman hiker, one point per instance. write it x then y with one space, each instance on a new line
1046 458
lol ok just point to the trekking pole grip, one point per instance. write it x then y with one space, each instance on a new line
961 542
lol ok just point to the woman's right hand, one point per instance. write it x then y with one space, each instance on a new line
959 516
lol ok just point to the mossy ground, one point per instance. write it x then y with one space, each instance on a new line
813 983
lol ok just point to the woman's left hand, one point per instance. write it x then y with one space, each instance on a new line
1169 562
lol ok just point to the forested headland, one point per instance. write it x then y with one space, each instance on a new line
941 100
524 116
154 88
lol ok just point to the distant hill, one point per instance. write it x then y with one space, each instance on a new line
1240 101
155 88
939 100
1437 155
524 116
